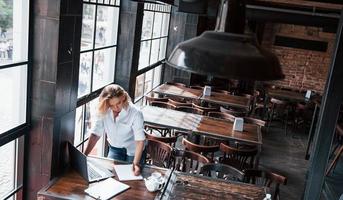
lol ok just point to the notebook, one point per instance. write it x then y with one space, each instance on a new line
125 173
106 189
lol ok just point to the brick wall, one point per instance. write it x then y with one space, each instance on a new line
303 69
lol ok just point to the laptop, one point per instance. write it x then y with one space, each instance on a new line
90 170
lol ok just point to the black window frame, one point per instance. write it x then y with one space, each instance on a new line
85 99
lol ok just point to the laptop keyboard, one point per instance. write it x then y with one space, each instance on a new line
92 174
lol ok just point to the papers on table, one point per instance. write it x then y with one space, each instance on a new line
106 189
125 173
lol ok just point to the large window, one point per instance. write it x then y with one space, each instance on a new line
98 45
153 46
14 68
97 61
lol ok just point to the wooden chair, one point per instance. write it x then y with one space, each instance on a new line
158 130
178 103
222 171
188 161
220 91
207 151
205 109
169 140
176 84
159 153
258 122
234 112
149 99
197 87
190 110
266 178
222 115
162 104
239 158
280 108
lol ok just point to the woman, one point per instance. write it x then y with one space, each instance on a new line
123 124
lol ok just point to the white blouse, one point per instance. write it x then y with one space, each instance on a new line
122 131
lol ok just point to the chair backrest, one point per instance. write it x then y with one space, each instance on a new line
159 153
220 91
239 158
265 178
236 113
188 161
169 140
149 99
157 130
207 151
222 171
176 84
162 104
205 109
255 121
178 103
222 115
190 109
197 87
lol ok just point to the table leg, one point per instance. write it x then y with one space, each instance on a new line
257 160
311 132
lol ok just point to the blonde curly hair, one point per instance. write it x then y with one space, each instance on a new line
110 92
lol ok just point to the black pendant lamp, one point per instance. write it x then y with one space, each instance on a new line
225 52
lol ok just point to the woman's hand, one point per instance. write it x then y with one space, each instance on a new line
136 169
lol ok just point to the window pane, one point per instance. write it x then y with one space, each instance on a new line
157 76
91 112
148 81
13 31
107 25
163 47
154 51
147 25
85 74
104 64
139 86
144 54
78 125
165 24
13 90
7 166
87 27
11 166
157 25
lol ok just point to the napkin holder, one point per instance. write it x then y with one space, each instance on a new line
238 124
308 94
207 90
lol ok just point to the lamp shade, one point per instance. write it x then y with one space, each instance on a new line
226 55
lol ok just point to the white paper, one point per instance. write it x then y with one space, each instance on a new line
308 94
207 91
125 173
238 124
106 189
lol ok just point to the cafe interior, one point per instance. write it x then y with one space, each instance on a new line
241 99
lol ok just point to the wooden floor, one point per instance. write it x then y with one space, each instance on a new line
285 154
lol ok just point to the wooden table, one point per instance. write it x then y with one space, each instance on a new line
194 187
178 91
71 185
286 95
196 94
201 124
227 100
